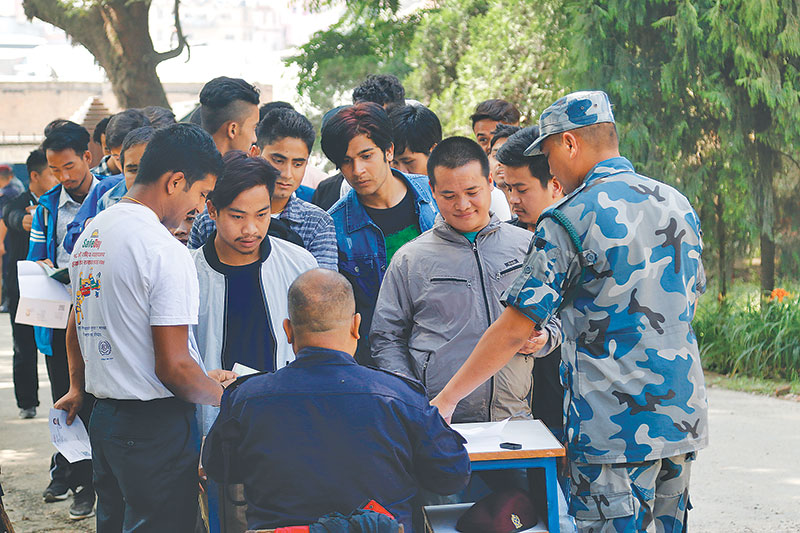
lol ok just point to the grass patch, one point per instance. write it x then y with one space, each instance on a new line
768 387
743 337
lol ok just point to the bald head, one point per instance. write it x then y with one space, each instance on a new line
321 300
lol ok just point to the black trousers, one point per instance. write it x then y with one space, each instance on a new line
26 376
145 457
78 474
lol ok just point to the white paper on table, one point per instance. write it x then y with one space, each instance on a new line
72 441
243 370
43 301
493 429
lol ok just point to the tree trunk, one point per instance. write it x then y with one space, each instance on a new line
767 167
722 267
117 34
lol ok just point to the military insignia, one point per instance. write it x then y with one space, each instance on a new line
516 521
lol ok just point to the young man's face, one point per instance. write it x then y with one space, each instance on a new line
44 180
245 136
5 179
115 157
71 169
290 156
463 195
132 157
242 226
188 200
103 144
411 162
185 228
526 195
495 167
365 166
483 132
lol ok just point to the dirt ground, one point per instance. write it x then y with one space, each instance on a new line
748 480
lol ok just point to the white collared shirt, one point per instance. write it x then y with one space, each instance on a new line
67 209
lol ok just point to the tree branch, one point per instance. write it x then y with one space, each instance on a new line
182 43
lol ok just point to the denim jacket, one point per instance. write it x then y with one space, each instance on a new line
362 249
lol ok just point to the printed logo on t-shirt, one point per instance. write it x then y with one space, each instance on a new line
104 347
93 241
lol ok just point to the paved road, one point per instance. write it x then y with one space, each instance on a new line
748 480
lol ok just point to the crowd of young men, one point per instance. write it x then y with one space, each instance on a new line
565 304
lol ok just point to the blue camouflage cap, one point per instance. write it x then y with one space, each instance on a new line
575 110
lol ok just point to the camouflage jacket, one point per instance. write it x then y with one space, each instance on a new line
630 363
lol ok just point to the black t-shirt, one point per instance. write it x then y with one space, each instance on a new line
248 333
399 224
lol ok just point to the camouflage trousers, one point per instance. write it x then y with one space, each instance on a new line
651 496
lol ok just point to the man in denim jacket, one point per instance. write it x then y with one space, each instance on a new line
385 209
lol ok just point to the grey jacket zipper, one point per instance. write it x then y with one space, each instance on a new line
488 315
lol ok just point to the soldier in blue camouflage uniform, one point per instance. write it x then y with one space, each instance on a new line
623 268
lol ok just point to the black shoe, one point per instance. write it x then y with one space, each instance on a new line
83 504
56 491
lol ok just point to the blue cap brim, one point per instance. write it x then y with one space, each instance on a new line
534 149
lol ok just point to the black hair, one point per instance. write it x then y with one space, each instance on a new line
53 124
496 109
241 173
381 89
365 118
512 154
179 148
122 124
159 116
272 106
455 152
414 127
281 123
67 134
99 130
219 101
134 138
36 162
502 131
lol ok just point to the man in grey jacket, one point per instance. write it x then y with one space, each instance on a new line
442 290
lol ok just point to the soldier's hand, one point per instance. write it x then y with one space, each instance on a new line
445 409
535 342
71 402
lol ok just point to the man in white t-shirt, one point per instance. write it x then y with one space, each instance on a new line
135 294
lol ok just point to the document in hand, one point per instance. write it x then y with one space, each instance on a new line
72 441
43 301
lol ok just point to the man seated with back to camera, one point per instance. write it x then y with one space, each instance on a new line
324 434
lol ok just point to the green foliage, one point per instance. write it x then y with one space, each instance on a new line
744 336
336 60
471 50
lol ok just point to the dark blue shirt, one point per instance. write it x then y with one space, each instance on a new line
324 434
248 337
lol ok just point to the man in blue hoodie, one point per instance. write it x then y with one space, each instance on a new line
68 156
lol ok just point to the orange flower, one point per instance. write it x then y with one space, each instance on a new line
778 294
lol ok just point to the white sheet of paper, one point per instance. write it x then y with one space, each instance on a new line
43 301
494 429
243 370
72 441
